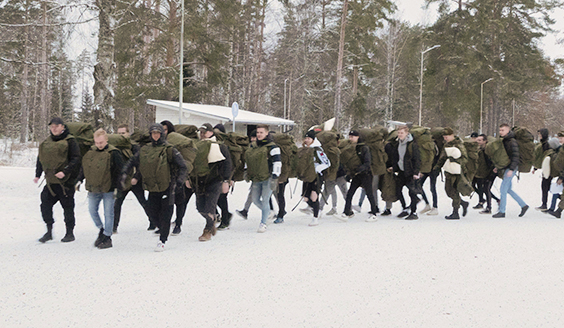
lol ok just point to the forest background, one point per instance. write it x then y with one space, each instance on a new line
358 60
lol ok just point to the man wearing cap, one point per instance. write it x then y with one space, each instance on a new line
161 168
59 159
264 166
222 202
362 178
210 177
453 160
545 184
311 190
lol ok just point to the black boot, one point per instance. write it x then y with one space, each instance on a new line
225 222
454 215
48 235
69 236
100 238
464 208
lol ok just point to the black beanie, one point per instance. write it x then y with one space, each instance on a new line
310 134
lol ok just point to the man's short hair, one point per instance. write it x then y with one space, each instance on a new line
484 136
503 125
403 127
100 132
124 126
262 126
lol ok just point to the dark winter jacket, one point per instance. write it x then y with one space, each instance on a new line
485 165
73 159
512 149
411 161
363 152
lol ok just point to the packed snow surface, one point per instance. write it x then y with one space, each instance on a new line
475 272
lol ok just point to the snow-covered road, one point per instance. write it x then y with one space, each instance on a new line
476 272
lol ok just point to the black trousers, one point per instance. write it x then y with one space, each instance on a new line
545 186
65 197
363 180
139 194
307 189
281 199
484 188
223 205
433 180
402 181
161 208
181 201
206 201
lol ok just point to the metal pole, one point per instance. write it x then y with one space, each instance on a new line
181 73
421 90
482 101
286 80
421 81
513 121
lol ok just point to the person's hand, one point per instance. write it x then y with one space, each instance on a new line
60 175
417 177
35 180
273 184
225 187
509 173
389 169
495 170
188 184
133 182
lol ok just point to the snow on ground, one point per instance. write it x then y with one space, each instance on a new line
476 272
13 153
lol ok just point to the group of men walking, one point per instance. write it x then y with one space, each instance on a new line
171 177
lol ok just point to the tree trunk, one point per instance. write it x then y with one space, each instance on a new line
44 77
105 68
24 128
338 106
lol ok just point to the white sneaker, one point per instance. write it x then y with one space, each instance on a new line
333 211
314 222
356 208
371 218
308 210
426 209
343 217
433 211
262 228
160 247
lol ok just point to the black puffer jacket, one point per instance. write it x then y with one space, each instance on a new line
512 149
363 152
411 160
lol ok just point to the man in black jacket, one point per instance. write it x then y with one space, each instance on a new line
545 184
60 174
154 163
406 163
512 148
362 178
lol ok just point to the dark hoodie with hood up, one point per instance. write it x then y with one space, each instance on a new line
178 171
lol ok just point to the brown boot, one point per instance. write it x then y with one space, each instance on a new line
206 236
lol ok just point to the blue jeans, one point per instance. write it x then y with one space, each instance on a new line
506 189
261 196
94 199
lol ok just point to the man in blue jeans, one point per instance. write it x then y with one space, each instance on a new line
102 166
512 148
264 166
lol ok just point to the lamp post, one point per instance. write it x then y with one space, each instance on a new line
421 81
482 100
285 81
181 73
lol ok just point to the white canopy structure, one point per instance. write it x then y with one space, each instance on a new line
198 114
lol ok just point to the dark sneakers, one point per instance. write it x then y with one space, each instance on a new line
46 237
105 243
557 214
480 205
403 214
176 231
523 210
498 215
454 215
386 213
151 226
464 208
412 216
242 213
100 238
486 211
